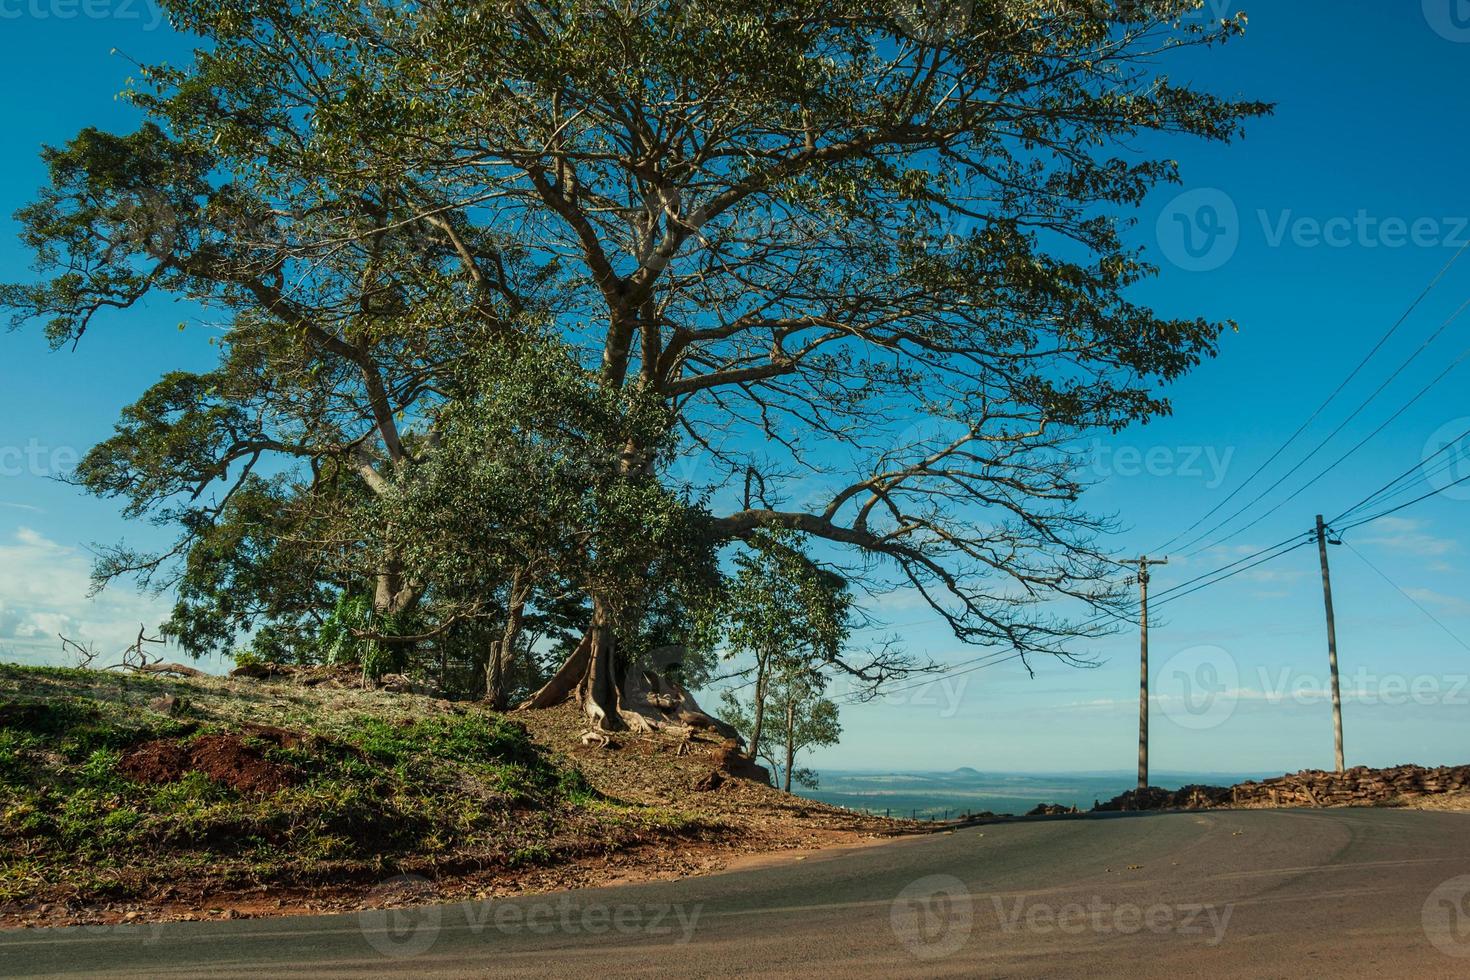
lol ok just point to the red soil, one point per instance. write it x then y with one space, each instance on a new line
225 759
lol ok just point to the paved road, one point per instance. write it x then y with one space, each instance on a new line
1360 893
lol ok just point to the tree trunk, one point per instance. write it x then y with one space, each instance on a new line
502 651
758 720
790 741
640 701
494 681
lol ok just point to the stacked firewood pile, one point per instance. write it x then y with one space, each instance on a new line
1359 786
1154 798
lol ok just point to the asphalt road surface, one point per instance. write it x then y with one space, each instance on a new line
1358 893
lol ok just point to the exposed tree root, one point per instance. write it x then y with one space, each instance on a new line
644 701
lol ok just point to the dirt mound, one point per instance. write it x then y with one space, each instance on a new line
163 761
225 759
730 761
230 762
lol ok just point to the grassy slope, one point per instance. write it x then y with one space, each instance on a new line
382 784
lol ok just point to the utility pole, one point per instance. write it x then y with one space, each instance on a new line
1142 579
1322 542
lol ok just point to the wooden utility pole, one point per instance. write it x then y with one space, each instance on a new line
1331 642
1142 579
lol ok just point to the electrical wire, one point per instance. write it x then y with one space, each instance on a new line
1395 510
1322 407
1359 445
1331 435
1386 492
1417 604
1205 580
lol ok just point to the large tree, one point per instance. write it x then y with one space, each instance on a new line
866 255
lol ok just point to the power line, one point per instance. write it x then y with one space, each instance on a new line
1333 434
1385 492
1395 510
1429 477
1323 407
1205 580
1359 445
1287 551
1166 593
1417 604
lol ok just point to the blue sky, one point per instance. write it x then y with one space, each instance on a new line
1314 233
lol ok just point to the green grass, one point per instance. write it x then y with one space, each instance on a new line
383 784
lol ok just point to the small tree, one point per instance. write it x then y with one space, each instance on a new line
799 719
785 612
793 616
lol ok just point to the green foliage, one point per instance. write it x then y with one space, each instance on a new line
531 479
483 266
351 635
792 616
783 605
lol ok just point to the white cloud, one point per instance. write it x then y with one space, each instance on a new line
43 592
1408 535
1450 603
